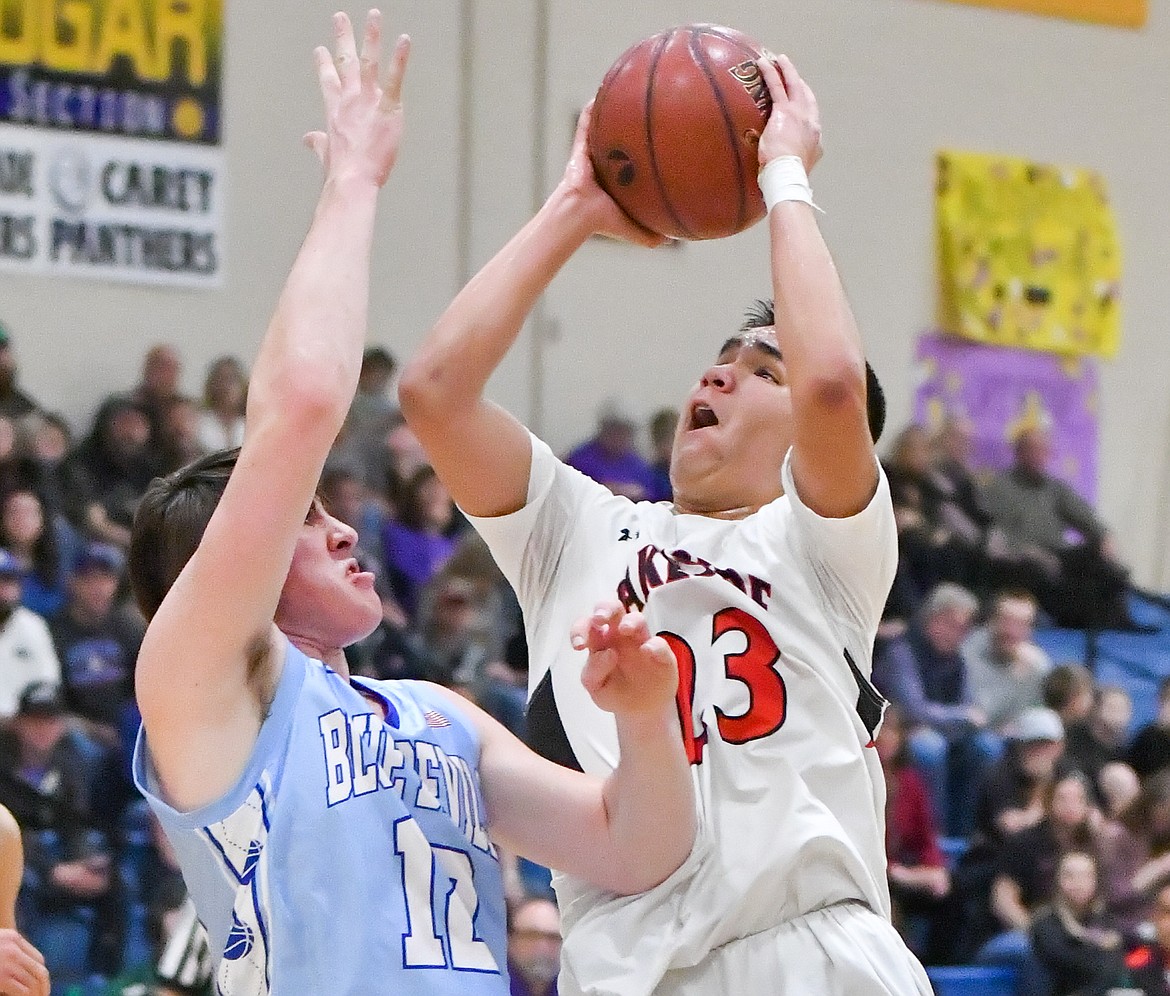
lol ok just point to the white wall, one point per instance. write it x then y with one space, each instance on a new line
897 80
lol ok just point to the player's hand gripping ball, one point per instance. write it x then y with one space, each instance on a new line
675 127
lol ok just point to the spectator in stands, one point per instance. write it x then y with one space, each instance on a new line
372 414
1069 690
44 546
1026 877
1101 739
177 442
404 458
1005 668
918 877
97 641
1119 785
923 672
455 624
1011 796
611 455
221 411
418 542
1081 583
26 648
662 427
1136 854
929 550
43 781
1074 938
158 385
43 442
106 474
14 403
1150 750
534 947
953 479
1148 965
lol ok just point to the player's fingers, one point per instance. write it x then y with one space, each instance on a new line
632 626
581 135
371 59
327 76
660 650
772 77
316 142
392 93
346 56
799 92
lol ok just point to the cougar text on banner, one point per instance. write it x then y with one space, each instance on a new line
110 158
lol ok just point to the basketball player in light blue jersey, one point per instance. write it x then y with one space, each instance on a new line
333 831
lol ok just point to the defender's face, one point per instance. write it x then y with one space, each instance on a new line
327 600
734 430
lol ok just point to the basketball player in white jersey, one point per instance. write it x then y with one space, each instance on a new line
767 577
338 834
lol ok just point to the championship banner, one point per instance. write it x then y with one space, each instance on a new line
1126 13
1003 391
111 165
1028 255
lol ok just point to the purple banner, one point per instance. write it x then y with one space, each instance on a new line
1003 390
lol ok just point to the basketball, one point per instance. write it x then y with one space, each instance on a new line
674 132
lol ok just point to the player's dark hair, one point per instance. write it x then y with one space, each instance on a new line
761 314
170 523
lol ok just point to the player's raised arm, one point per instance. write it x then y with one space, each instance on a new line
832 460
207 667
625 833
481 452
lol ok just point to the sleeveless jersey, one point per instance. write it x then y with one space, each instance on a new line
352 855
772 620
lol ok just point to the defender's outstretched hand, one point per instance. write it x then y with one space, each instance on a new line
794 127
605 216
628 671
363 118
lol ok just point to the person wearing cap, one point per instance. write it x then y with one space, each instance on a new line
611 456
14 403
96 639
26 647
45 781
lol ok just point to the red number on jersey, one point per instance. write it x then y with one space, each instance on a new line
685 697
755 666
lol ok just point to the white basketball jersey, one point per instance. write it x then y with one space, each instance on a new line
772 619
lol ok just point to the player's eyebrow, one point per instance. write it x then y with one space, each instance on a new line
751 341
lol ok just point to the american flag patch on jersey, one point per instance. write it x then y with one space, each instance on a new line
436 719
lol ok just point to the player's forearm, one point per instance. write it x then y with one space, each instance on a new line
815 327
473 335
311 354
649 802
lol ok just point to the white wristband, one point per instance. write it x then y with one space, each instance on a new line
785 179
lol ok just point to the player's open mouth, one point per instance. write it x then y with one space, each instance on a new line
702 417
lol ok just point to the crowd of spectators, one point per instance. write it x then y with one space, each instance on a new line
1028 825
1025 826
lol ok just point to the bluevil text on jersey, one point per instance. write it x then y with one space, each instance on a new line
361 756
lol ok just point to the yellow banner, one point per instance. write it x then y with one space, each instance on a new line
1127 13
1028 255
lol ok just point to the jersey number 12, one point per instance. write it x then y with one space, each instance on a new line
422 945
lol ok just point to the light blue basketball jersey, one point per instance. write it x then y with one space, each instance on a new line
352 856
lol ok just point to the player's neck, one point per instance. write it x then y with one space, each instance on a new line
331 657
721 510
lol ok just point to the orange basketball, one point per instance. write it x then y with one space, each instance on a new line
674 132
